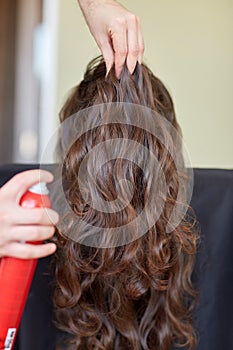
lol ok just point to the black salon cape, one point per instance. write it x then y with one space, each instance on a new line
212 201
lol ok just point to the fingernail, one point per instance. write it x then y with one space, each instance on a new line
108 65
107 71
118 73
140 59
131 66
132 70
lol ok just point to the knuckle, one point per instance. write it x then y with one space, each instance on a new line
142 47
5 218
122 52
18 179
134 51
119 22
132 17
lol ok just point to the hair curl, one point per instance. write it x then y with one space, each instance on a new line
139 295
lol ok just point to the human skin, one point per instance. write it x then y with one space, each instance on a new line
19 224
117 32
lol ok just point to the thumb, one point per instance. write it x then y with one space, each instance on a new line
19 184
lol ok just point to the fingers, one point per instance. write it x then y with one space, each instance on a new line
108 54
140 42
133 46
117 32
12 234
119 42
35 216
19 184
127 42
28 233
22 224
28 251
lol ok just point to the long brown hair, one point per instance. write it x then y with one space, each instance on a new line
138 295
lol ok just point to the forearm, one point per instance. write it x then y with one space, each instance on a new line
89 2
89 5
86 4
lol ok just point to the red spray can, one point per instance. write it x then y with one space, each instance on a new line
16 276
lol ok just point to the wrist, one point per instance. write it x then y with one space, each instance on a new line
87 4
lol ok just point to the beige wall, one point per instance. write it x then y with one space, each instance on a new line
189 45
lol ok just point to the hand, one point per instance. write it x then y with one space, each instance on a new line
117 32
21 224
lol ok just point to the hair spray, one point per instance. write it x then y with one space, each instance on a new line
16 276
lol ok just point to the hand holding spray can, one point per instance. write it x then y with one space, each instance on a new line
16 275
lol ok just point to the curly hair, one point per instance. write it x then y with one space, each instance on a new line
138 295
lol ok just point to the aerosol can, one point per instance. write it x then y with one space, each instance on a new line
16 275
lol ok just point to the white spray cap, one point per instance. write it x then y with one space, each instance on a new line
39 188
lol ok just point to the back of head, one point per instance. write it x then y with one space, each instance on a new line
141 88
123 279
